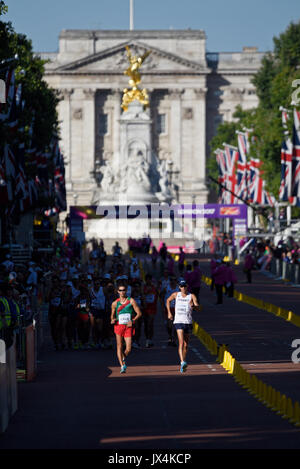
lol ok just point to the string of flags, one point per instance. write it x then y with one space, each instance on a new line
30 177
241 176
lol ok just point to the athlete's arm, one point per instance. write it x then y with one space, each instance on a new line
194 303
113 312
136 309
171 298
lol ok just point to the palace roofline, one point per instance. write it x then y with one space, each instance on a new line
109 33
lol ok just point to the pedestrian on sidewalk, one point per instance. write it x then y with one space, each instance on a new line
183 322
230 280
124 313
150 296
196 277
213 266
181 260
188 276
248 266
220 280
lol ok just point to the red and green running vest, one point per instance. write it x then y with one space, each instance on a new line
124 312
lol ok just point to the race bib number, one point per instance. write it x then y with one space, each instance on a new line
82 303
124 318
55 301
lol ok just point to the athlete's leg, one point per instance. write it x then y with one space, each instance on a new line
128 342
186 338
120 355
180 336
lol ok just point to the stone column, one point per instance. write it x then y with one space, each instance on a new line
199 153
66 132
116 101
174 130
89 129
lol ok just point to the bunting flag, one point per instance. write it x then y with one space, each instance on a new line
255 190
10 170
222 198
242 165
3 186
59 179
22 190
258 193
294 199
285 189
231 159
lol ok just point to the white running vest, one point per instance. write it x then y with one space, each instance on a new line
98 298
183 310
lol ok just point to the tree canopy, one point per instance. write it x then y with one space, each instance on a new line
274 88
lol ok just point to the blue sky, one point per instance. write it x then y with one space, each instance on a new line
229 25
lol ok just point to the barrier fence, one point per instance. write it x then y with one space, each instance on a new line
18 362
8 384
285 270
266 394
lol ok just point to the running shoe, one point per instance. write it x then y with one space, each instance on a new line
123 368
183 367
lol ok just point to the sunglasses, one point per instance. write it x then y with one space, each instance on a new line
123 289
182 286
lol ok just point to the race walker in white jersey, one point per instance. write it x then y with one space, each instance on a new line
185 303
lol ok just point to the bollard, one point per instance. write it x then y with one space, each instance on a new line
282 408
296 415
2 351
232 365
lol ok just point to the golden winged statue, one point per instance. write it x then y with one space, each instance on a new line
133 72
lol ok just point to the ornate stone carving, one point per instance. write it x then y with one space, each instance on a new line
187 113
200 92
66 93
89 93
77 114
175 93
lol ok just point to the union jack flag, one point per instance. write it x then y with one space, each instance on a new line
285 189
295 192
255 190
231 158
242 165
223 194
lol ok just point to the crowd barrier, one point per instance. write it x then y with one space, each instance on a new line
8 384
285 271
266 394
264 305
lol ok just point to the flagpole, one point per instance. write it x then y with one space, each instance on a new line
131 26
230 146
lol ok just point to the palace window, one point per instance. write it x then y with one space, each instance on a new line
103 124
161 123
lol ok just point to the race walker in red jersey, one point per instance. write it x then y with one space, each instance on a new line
124 313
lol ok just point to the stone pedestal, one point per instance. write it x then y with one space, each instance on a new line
130 178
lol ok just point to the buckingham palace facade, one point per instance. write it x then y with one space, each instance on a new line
191 91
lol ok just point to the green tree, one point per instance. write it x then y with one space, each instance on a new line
273 83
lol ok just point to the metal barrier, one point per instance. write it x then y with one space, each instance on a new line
285 270
8 384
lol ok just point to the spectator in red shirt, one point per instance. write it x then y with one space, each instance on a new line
196 277
230 280
248 266
220 280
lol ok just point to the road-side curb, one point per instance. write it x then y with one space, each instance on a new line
266 394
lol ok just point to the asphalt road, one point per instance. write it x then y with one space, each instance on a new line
79 400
